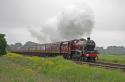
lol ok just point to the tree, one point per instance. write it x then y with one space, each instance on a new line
3 44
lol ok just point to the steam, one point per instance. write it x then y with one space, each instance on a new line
73 22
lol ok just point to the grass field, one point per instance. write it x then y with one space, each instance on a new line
18 68
112 58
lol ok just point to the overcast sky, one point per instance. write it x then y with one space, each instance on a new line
17 15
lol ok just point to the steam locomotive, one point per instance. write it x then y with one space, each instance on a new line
77 49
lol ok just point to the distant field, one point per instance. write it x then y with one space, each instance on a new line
18 68
112 58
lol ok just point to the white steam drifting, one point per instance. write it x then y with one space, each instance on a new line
73 22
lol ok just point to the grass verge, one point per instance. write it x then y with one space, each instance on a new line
18 68
112 58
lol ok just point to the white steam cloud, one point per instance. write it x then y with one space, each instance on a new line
73 22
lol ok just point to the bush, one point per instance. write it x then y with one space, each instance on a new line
3 44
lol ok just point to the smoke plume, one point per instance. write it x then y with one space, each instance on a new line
73 22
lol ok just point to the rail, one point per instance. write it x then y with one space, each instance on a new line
105 65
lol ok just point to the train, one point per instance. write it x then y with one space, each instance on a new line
77 49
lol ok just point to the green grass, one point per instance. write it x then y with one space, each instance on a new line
11 71
18 68
112 58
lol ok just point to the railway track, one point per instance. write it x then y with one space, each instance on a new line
105 65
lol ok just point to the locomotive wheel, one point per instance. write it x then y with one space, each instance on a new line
89 59
94 60
64 56
81 58
84 59
67 56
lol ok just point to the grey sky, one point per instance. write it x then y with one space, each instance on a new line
17 15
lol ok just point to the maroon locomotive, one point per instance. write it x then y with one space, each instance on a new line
78 49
